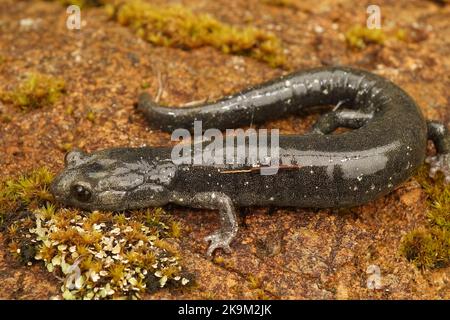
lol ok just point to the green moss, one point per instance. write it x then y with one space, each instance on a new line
5 118
90 115
35 91
177 26
30 190
401 35
254 282
429 247
145 85
66 146
438 198
359 37
81 3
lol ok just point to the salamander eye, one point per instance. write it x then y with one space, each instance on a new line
81 193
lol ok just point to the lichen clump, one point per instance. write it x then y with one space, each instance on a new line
35 91
359 37
98 255
429 247
177 26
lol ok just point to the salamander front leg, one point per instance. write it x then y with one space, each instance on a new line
346 118
440 135
228 221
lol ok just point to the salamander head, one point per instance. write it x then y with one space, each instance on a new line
113 179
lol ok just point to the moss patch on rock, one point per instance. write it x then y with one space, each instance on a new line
429 247
27 191
178 26
35 91
360 36
96 255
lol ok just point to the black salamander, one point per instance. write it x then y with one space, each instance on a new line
318 169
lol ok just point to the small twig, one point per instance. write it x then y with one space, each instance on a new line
160 87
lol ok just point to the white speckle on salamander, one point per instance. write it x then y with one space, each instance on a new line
266 160
271 198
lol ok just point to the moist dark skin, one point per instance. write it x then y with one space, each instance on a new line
318 169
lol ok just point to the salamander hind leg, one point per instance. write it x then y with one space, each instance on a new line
440 135
345 118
